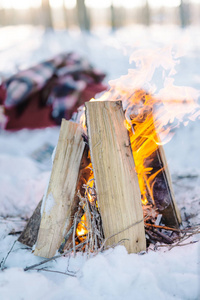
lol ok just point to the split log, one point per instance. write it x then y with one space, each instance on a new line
162 189
84 175
116 181
29 235
159 191
56 208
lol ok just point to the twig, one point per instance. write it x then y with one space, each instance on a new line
4 259
165 238
179 243
162 227
54 257
60 250
59 272
187 176
152 239
74 230
171 229
184 239
15 232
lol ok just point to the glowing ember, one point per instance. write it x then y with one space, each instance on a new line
82 227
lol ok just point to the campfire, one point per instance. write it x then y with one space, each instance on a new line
101 181
110 181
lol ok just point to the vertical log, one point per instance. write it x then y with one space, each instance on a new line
116 181
56 208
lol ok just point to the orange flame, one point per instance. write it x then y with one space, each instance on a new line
82 227
150 120
144 141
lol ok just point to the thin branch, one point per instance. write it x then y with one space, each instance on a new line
60 250
162 227
59 272
172 229
54 257
179 243
4 259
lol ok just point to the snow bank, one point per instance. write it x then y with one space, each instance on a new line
112 275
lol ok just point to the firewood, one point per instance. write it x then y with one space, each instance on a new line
57 205
84 174
118 193
29 235
160 190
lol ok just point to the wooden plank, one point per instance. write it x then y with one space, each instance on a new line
29 235
56 208
118 193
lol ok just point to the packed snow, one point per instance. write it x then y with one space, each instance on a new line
161 272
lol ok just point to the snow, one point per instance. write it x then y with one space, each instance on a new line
114 274
111 275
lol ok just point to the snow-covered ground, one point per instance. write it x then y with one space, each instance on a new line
113 274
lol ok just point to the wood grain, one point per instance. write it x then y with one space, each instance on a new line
56 208
116 181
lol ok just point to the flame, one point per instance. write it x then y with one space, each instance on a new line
152 112
82 227
151 115
144 141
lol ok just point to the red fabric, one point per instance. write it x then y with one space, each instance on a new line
32 114
44 94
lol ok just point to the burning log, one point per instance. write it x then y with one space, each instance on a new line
162 189
57 205
151 164
118 193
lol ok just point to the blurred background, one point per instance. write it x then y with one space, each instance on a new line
101 30
92 14
104 32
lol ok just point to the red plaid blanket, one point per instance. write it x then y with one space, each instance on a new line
44 94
